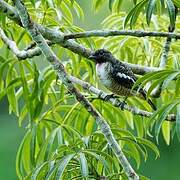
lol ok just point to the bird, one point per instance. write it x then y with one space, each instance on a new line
117 76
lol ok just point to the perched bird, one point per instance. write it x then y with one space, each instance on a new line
116 76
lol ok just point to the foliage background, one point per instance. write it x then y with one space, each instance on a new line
166 167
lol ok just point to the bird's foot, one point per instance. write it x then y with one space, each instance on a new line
109 96
122 104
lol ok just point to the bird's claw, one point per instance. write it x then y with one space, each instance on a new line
109 96
122 104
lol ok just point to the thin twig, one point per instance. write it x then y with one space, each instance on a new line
58 66
163 61
20 54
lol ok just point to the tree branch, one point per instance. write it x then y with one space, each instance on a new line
57 37
29 52
115 102
58 66
163 61
164 57
106 33
20 54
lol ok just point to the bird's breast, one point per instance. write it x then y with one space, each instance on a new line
103 74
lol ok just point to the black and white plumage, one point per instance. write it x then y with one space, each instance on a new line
116 76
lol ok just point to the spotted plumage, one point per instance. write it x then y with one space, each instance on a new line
115 75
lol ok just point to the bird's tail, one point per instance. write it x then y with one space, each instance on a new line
143 93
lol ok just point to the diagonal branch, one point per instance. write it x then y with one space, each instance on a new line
115 102
58 66
57 37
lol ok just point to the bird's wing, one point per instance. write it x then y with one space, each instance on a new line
123 74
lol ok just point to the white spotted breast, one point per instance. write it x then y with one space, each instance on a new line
102 70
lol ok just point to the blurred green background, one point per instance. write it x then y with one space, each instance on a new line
164 168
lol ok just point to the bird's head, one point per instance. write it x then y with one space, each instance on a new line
101 56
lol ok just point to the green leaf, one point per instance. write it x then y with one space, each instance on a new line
177 3
26 93
23 114
97 4
50 3
38 170
73 130
120 2
12 84
111 4
33 2
78 10
66 11
178 122
171 11
128 17
20 37
46 148
150 7
177 92
11 90
2 59
69 113
26 154
98 157
38 108
33 145
162 115
116 129
129 119
84 165
169 79
166 129
152 76
135 2
149 144
153 86
133 152
60 136
19 166
134 13
62 165
35 90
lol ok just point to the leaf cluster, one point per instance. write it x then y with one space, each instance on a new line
62 139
